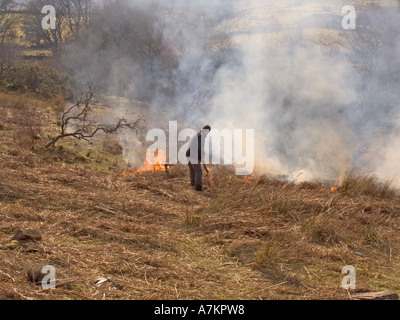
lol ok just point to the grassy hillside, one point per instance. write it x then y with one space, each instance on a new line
159 239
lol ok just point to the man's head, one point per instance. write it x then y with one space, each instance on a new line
206 129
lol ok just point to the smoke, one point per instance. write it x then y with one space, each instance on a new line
293 104
282 68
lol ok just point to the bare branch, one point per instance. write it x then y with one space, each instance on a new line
77 122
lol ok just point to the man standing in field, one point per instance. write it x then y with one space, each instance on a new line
195 155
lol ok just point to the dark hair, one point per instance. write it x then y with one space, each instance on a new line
207 128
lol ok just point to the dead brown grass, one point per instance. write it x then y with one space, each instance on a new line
357 183
159 239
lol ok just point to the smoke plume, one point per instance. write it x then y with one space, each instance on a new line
320 100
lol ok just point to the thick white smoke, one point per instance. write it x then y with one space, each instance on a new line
282 68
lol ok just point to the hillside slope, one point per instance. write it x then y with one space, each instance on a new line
159 239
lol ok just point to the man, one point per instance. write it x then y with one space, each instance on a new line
195 155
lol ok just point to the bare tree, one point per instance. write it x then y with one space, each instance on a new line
136 34
128 43
9 47
365 45
77 15
137 47
72 17
374 30
78 122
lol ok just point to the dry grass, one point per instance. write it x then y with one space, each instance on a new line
357 183
159 239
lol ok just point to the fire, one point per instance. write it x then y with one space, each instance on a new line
210 178
158 163
247 179
332 188
158 166
250 179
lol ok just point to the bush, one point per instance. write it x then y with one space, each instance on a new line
357 184
37 78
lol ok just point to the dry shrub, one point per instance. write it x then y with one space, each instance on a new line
387 190
357 184
38 79
373 236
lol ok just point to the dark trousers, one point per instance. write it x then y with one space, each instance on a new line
196 175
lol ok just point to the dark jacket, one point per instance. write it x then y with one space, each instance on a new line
199 148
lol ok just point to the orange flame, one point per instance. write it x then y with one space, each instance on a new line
156 167
250 179
210 178
247 179
332 188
